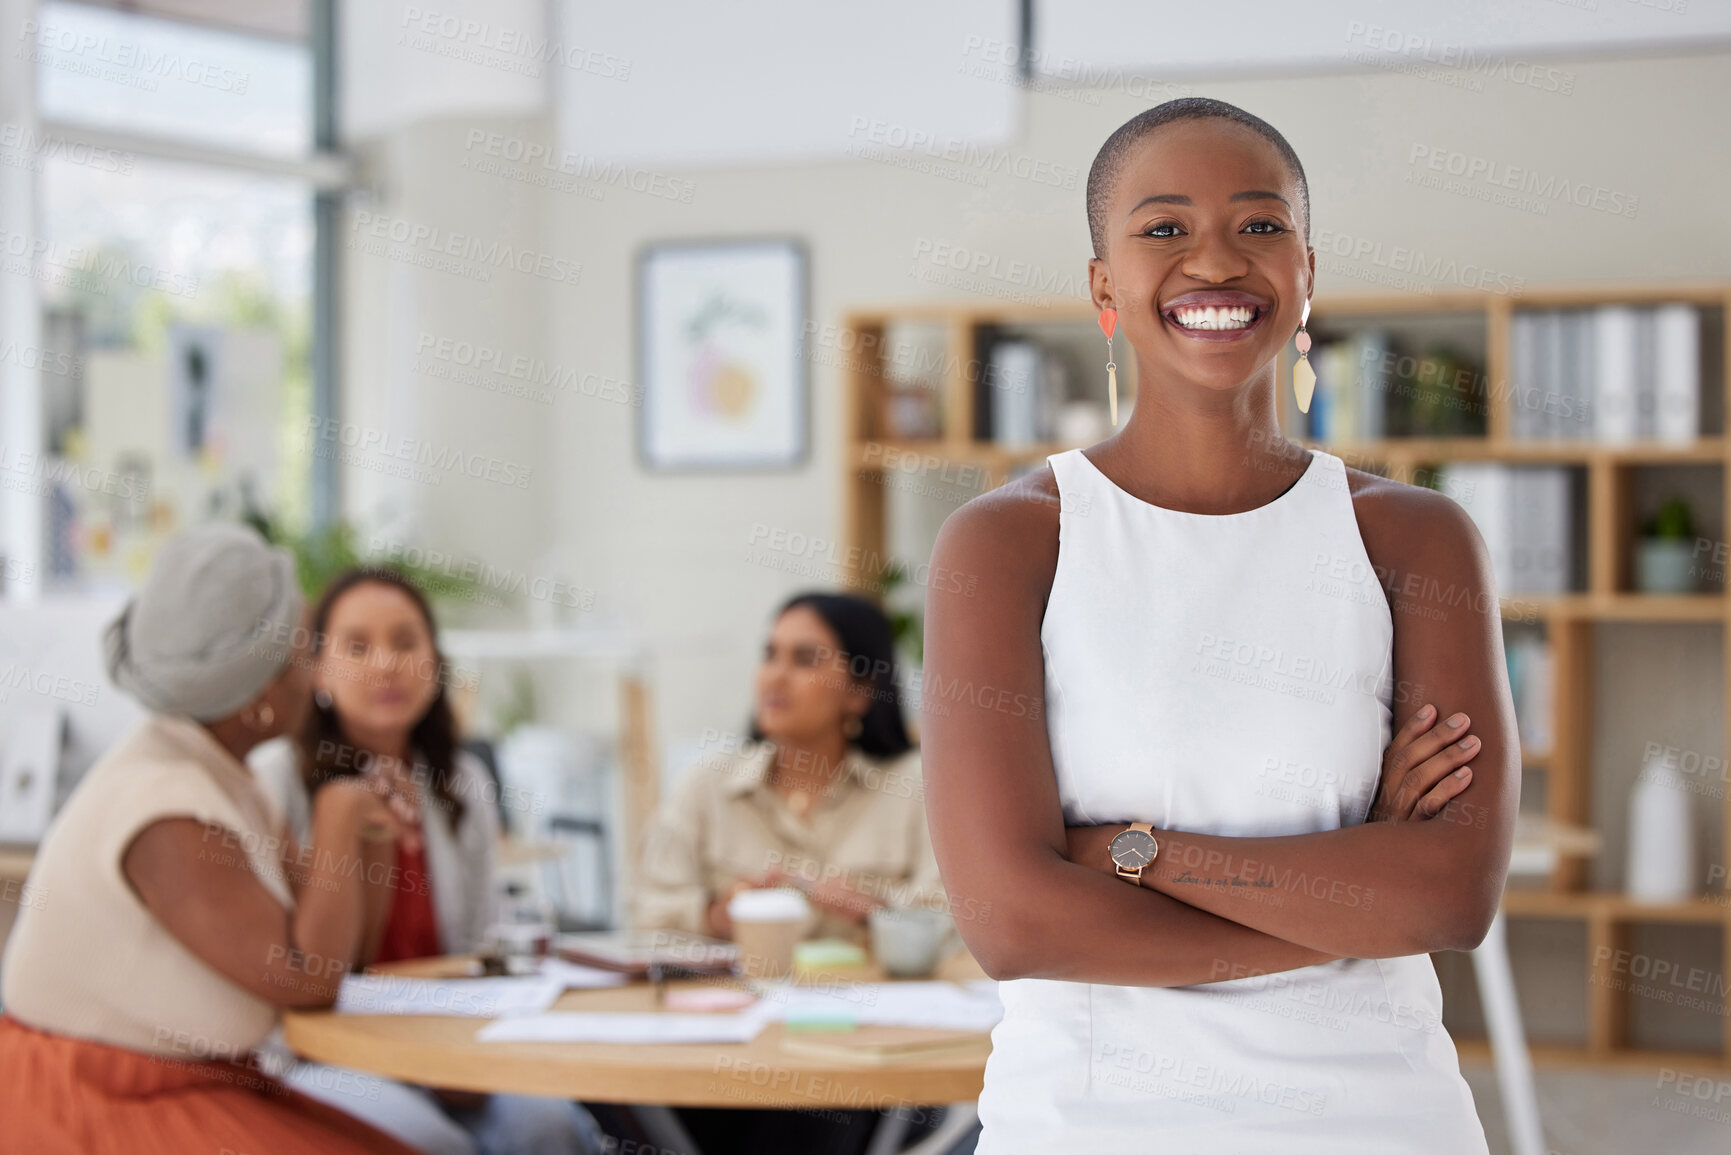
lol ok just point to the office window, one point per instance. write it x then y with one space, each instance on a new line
176 284
182 294
122 72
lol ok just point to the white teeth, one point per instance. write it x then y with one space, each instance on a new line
1215 317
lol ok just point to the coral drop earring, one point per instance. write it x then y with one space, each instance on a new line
1108 324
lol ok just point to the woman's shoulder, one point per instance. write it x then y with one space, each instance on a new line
161 749
472 784
276 767
1010 532
723 765
892 776
276 764
1410 529
906 763
468 770
163 766
1399 502
1024 505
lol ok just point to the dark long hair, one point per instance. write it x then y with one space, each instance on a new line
868 654
434 737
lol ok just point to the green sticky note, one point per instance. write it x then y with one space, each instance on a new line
815 1020
818 953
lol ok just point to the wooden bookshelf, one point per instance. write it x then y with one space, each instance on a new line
871 455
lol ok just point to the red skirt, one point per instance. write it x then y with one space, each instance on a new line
66 1096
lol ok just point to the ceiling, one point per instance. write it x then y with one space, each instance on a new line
277 19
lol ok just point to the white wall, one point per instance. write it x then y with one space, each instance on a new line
400 311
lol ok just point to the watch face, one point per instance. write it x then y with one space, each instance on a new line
1133 848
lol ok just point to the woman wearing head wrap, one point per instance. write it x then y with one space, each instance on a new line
174 922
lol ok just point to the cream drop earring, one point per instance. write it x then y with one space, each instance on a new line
1303 376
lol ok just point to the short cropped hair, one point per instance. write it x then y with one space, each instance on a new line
1103 176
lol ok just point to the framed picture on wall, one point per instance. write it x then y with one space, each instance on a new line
719 333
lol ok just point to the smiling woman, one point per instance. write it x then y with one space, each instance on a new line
1170 596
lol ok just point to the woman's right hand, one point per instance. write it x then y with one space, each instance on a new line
1424 768
357 805
715 918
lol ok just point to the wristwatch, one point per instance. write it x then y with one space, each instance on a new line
1133 849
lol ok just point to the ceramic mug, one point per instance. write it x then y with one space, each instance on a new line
909 942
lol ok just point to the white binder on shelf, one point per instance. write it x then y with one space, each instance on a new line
1677 374
1575 407
1533 705
1017 380
1523 368
1614 402
1646 362
1539 527
1547 379
1522 512
1482 489
1562 413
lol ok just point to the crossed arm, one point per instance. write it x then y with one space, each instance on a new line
1383 889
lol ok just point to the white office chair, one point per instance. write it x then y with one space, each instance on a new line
1509 1052
1536 850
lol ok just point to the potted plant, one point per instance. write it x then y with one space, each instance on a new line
1664 555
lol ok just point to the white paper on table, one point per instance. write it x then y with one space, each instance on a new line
941 1005
477 998
623 1027
575 976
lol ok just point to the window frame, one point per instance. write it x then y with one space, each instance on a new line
328 171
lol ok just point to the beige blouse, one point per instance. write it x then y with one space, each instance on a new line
86 958
724 822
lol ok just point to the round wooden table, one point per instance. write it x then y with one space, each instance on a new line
441 1051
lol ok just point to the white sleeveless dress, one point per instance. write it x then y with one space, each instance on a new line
1223 674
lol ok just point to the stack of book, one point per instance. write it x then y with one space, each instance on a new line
1611 374
1350 399
1369 387
1523 514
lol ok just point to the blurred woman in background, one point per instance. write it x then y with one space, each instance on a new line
823 794
176 922
381 715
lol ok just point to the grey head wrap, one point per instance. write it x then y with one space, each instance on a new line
212 626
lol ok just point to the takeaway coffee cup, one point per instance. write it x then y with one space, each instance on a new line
767 926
